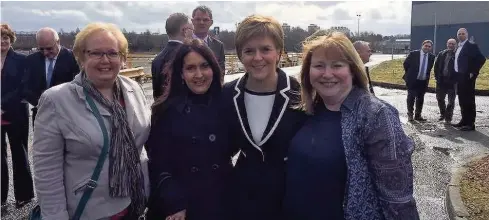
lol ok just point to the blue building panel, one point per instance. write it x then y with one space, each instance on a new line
479 32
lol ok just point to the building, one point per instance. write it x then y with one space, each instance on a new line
395 46
439 21
312 28
286 27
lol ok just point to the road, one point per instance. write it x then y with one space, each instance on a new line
438 148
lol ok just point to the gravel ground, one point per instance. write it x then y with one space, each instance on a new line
438 148
475 189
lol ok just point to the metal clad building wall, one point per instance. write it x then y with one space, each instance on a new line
450 16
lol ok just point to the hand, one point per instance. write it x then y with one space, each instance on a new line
471 75
177 216
2 112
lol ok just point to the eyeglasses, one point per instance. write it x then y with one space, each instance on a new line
100 54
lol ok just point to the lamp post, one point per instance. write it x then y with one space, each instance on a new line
358 24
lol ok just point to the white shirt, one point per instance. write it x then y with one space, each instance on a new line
421 57
175 41
258 109
457 53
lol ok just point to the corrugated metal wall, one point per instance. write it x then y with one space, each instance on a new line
450 16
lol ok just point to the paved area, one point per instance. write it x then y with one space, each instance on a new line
438 148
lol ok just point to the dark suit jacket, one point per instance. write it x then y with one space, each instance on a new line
157 66
65 70
13 80
218 48
411 68
440 65
470 60
259 170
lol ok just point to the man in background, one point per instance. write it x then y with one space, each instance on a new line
51 65
417 68
468 62
178 27
445 81
202 20
363 49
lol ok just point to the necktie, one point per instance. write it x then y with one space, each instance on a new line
422 72
49 74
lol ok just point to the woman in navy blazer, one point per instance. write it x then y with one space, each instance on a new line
15 122
262 120
188 149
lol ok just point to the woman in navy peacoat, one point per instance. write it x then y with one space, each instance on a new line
188 149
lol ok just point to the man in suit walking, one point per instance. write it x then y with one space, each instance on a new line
51 65
468 62
417 68
445 81
202 20
363 49
178 27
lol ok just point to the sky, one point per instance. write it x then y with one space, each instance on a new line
382 17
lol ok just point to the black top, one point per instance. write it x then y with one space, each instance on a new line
316 169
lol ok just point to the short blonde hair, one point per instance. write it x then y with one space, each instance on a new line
79 46
7 30
337 47
259 26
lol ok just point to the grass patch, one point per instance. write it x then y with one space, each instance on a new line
392 71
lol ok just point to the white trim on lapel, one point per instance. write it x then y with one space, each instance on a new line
241 119
279 118
284 106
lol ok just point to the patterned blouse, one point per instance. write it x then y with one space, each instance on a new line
378 157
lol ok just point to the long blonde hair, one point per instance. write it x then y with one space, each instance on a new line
338 47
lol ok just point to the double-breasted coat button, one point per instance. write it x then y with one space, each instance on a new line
194 140
215 166
194 169
212 137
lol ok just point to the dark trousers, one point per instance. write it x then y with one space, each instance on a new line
466 98
442 91
416 95
18 140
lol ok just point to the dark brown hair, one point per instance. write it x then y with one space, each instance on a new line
174 86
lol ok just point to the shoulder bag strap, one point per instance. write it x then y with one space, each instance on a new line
92 183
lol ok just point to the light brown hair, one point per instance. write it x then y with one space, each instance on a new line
259 26
7 30
79 46
337 47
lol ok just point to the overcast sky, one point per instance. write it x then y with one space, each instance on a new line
384 17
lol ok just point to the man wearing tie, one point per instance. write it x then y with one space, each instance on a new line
468 62
202 20
363 49
51 65
417 68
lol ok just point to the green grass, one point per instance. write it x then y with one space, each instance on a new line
392 72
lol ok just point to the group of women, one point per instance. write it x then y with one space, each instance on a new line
320 147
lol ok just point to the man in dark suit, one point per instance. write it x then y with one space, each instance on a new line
178 27
417 68
363 49
468 62
202 20
52 65
445 81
